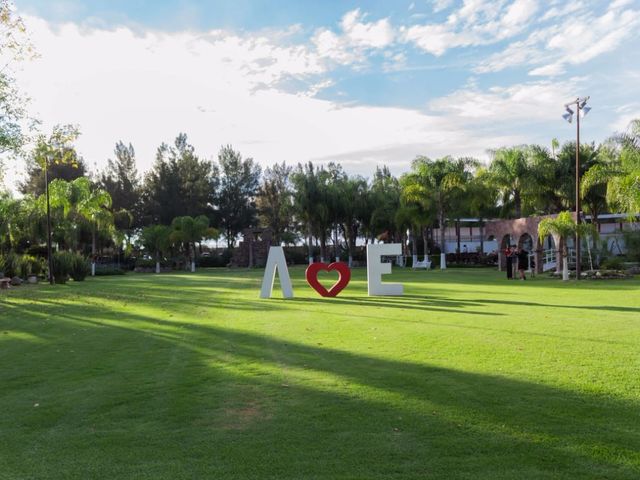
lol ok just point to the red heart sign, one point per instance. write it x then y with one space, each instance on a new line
344 273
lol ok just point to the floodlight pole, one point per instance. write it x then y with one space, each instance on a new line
580 103
578 259
46 187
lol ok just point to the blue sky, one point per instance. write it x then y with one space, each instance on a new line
364 83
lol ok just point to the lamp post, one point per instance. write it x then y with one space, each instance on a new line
581 109
47 158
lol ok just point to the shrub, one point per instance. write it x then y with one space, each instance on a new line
612 263
632 244
10 264
107 271
146 263
79 268
62 266
221 260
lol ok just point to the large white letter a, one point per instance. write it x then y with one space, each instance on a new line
276 260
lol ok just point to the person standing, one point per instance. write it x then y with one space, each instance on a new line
523 262
508 253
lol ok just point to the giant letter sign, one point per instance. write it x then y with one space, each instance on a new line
375 269
276 260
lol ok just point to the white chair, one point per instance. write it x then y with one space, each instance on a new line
426 263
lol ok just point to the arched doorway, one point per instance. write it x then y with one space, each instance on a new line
526 242
507 241
549 243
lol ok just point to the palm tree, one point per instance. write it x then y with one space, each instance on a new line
156 239
518 173
78 200
350 196
481 199
621 173
93 205
564 227
189 230
382 203
438 182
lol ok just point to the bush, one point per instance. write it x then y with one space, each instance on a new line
146 263
30 265
296 256
79 268
10 264
612 263
107 271
62 266
221 260
632 244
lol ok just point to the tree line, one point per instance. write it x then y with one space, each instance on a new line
195 198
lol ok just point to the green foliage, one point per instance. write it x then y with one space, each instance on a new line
15 46
612 263
179 184
235 199
156 239
63 264
58 154
80 268
121 181
10 264
275 200
30 265
632 244
69 264
106 271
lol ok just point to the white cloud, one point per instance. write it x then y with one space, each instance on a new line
550 70
356 39
528 103
439 5
558 12
551 48
218 87
625 114
475 23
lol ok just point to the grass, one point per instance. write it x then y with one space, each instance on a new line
180 376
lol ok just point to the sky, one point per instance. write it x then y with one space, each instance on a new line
361 83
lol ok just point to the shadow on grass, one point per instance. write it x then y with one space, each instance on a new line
132 395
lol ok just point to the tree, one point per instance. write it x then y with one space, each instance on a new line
384 201
81 201
306 198
94 205
481 199
120 179
178 184
593 197
620 174
417 212
351 197
189 231
515 175
62 160
156 239
14 47
564 227
438 182
239 181
274 200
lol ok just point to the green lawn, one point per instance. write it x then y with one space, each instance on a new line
192 376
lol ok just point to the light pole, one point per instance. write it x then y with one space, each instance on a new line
47 158
581 109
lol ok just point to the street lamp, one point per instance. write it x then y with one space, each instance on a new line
581 109
47 159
